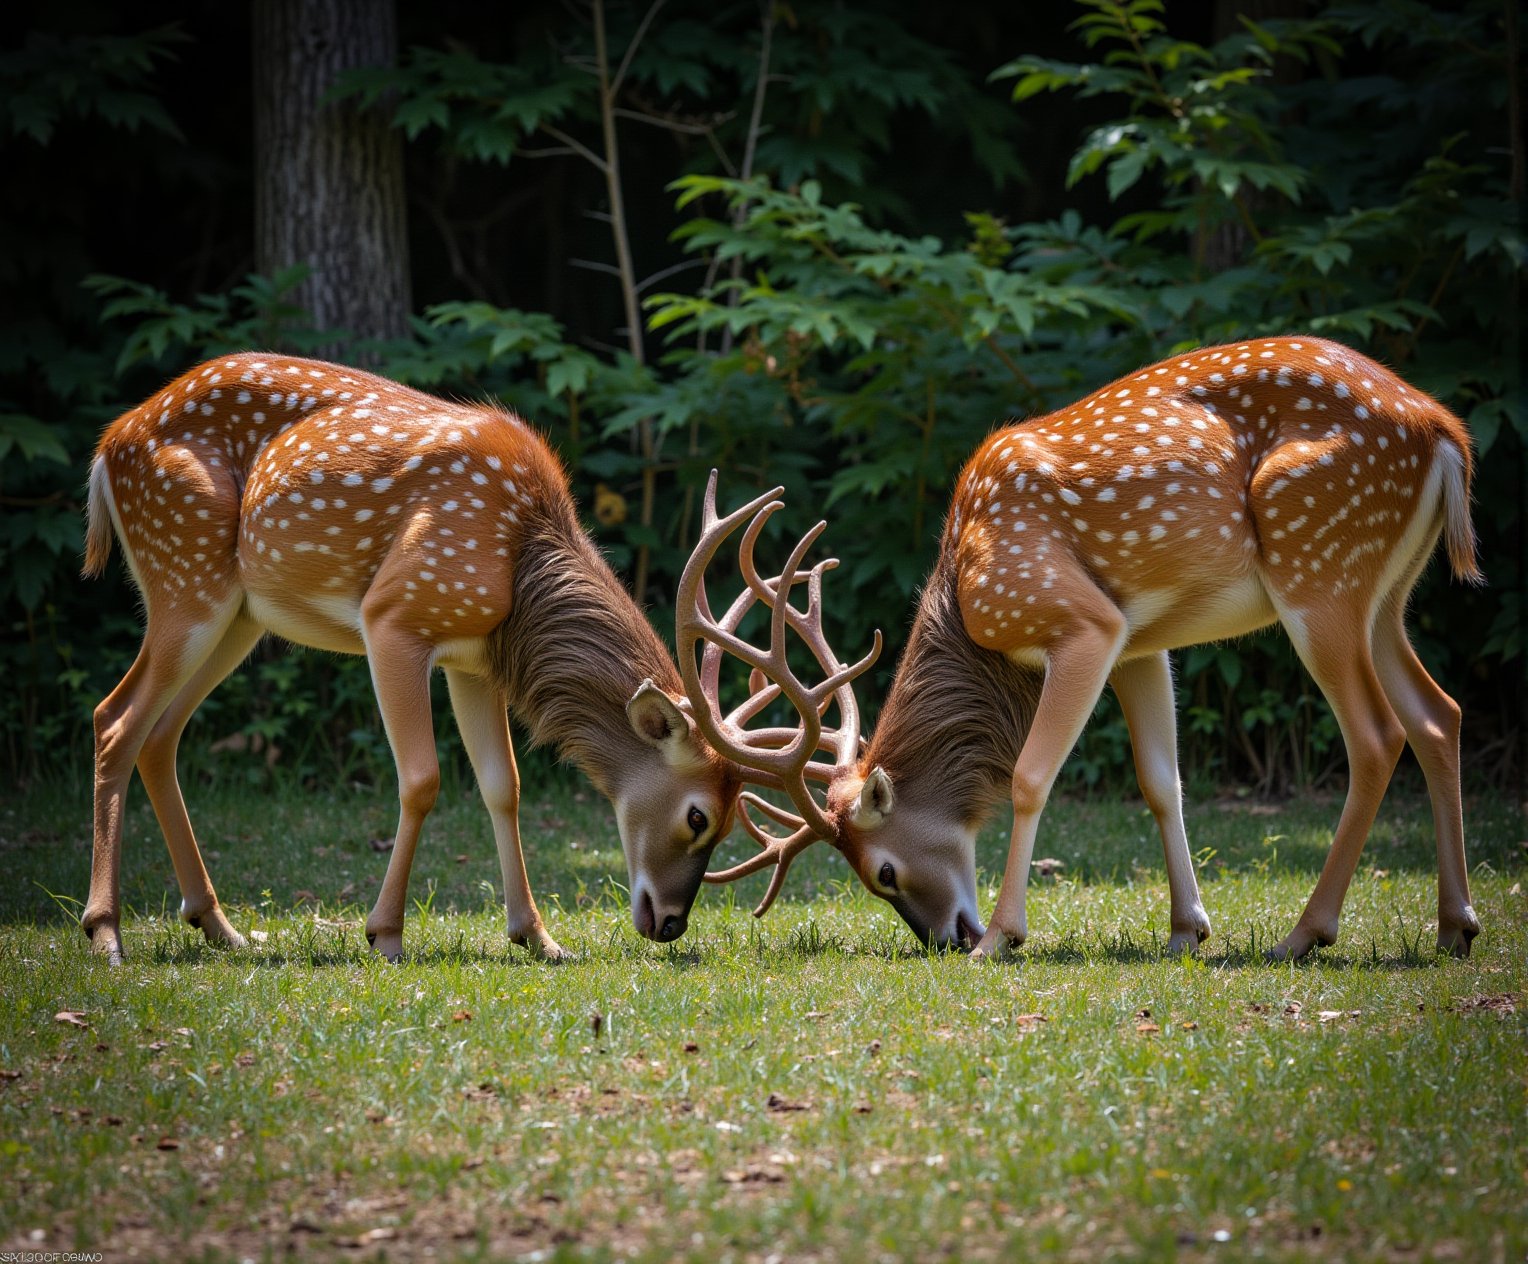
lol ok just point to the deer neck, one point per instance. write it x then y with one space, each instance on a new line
574 649
952 727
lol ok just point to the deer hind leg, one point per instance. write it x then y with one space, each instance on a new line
400 674
172 653
1431 720
1088 635
482 720
156 766
1144 687
1338 658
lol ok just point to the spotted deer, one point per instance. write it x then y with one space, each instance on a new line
338 510
1286 480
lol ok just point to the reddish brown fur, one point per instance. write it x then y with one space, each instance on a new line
349 513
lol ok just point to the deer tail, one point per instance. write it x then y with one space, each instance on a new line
1458 531
98 527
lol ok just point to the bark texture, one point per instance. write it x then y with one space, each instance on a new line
329 188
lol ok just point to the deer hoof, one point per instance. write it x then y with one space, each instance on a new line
105 941
217 929
1456 932
387 944
1189 933
997 944
538 942
1300 942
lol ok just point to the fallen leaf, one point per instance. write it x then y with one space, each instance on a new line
381 1234
10 1075
815 1014
781 1106
1332 1015
112 1121
1030 1022
167 1143
74 1017
754 1174
462 1016
1498 1003
691 1047
1147 1029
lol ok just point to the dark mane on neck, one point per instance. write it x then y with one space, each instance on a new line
575 647
957 715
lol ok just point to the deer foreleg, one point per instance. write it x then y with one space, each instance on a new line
1085 650
484 726
400 674
1144 687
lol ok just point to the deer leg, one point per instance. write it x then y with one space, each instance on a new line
1144 687
1431 720
482 721
170 656
400 674
1343 669
156 767
1086 647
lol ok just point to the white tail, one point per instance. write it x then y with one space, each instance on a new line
346 512
1286 479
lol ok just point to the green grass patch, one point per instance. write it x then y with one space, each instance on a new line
808 1086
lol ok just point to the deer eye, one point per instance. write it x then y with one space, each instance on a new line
696 820
888 877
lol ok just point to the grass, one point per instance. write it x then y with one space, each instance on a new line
808 1086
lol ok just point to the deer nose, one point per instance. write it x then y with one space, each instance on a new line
673 927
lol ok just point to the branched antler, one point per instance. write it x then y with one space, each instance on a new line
781 758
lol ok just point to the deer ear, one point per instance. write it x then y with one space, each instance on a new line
876 799
658 721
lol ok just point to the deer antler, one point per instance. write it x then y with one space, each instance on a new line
776 757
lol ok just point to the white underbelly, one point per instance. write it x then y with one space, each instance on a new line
320 621
1172 619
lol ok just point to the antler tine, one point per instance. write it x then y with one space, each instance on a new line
768 762
779 852
844 740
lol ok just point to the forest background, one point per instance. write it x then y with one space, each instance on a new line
828 245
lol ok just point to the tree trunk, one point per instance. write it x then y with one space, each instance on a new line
329 177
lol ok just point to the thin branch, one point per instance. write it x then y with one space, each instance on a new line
669 123
659 275
647 19
594 265
552 151
582 150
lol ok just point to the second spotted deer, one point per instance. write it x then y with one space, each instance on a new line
335 509
1287 480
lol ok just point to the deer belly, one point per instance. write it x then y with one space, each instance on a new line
321 621
1170 619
